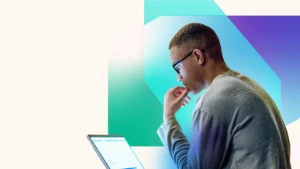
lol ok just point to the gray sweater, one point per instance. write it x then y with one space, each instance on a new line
236 125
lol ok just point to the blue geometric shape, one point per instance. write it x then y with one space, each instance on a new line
280 50
237 51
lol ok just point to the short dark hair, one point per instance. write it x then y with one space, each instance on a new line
200 36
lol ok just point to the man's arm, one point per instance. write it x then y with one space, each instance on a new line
208 146
172 137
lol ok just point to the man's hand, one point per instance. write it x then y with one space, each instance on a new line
174 99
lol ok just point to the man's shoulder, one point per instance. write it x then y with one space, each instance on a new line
228 92
230 85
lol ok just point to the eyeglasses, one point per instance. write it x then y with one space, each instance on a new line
176 64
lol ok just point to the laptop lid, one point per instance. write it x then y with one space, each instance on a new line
115 152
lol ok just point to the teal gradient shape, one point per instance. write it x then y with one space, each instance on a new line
237 51
156 8
133 109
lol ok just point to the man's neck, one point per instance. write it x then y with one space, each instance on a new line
214 72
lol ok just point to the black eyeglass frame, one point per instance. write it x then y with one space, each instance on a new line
176 63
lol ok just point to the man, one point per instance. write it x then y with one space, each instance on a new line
236 124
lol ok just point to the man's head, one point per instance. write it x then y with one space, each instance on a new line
195 50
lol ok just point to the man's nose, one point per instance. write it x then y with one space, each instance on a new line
179 77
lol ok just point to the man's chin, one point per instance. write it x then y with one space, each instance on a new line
194 92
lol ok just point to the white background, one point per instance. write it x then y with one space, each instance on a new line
53 76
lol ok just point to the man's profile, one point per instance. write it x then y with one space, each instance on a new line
236 124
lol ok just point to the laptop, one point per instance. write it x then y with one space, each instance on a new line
115 152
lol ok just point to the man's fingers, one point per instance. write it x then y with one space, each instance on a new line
188 98
183 94
186 102
178 93
178 90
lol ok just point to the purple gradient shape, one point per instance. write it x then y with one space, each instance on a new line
277 40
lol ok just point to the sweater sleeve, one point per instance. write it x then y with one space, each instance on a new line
206 148
172 137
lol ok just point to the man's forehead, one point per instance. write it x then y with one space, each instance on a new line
176 52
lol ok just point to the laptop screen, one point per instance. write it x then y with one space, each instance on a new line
116 152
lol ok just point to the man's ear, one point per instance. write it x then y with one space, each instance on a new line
200 56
